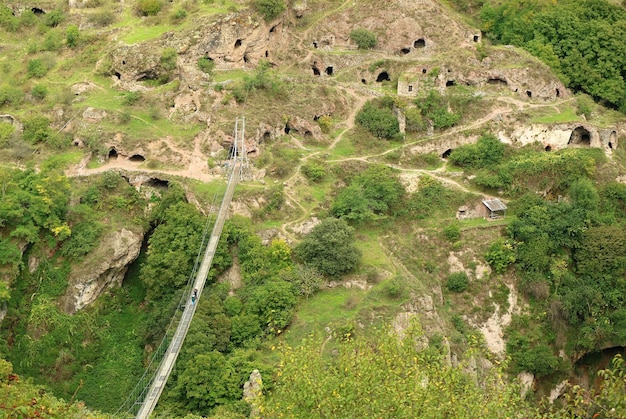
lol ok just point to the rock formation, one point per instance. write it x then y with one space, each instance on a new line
103 268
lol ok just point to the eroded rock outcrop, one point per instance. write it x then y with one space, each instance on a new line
103 268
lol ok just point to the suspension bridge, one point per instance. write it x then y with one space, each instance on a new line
145 396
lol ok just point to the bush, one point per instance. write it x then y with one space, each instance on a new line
452 232
500 255
270 9
37 68
7 20
168 59
72 36
6 131
206 65
130 98
457 282
148 7
313 171
178 15
10 95
39 91
36 129
380 121
54 18
102 18
363 38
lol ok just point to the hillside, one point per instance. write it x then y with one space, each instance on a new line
375 133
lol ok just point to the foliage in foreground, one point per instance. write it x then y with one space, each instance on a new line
385 376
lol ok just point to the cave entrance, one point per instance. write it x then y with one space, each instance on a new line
157 183
287 129
581 137
419 43
316 71
38 11
497 81
118 75
238 43
450 83
424 71
529 93
548 148
476 38
558 93
612 140
246 59
112 154
405 51
446 153
329 70
267 136
363 81
383 76
137 158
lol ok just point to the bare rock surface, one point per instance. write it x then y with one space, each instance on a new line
103 268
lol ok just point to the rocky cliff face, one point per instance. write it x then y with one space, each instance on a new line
103 268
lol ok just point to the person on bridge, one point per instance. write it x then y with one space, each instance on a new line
194 296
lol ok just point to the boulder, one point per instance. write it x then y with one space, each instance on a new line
103 268
252 393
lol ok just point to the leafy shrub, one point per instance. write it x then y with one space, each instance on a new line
435 108
7 20
270 9
395 288
457 282
378 120
83 239
54 18
313 171
168 59
263 79
52 41
326 123
363 38
148 7
6 131
36 129
37 68
206 64
500 255
178 15
452 232
39 91
72 36
28 19
488 151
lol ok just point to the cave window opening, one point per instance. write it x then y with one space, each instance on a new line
329 70
610 145
419 43
287 129
558 93
113 154
137 158
383 76
548 148
118 75
410 88
267 54
314 44
424 71
316 71
246 59
529 93
580 136
405 50
267 136
363 81
273 29
238 43
450 83
37 11
476 38
497 81
124 62
446 153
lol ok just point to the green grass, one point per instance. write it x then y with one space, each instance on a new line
569 115
343 149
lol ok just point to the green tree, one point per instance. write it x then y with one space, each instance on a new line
148 7
330 248
363 38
